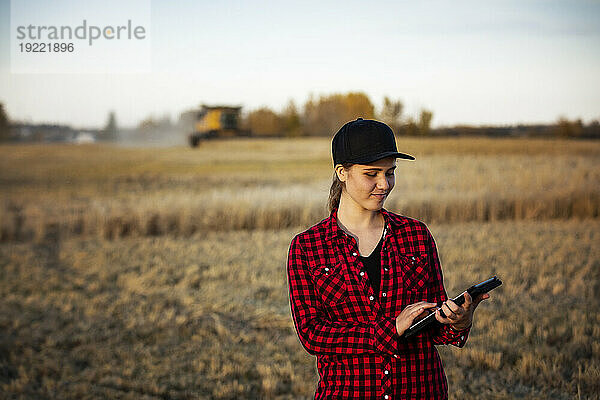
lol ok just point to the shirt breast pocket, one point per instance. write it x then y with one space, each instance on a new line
415 272
330 283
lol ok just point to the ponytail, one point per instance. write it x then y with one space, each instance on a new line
335 191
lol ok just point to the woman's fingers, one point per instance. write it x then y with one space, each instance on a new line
410 313
443 320
451 310
418 308
424 304
416 313
454 308
468 300
455 313
450 314
480 298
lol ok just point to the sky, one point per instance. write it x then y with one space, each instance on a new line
470 62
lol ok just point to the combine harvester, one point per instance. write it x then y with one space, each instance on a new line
216 122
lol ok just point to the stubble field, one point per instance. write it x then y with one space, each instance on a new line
124 274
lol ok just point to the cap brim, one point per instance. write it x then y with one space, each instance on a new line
373 158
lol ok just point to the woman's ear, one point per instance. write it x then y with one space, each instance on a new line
341 172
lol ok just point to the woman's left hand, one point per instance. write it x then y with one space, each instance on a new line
460 317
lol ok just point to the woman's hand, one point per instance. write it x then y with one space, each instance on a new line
460 317
405 319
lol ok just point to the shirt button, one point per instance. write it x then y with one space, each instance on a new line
412 258
326 269
371 298
362 273
386 397
462 338
354 254
386 372
395 355
384 294
385 269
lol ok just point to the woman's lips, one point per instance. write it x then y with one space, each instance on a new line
379 195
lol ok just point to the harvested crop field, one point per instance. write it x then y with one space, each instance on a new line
160 273
208 317
112 192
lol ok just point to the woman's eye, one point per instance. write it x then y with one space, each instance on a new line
372 175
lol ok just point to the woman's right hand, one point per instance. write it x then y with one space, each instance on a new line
405 319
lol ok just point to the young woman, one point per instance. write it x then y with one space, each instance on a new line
359 278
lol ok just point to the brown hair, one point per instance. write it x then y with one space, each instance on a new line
335 191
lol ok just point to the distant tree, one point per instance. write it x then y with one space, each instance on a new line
164 122
151 123
4 125
290 119
391 113
593 130
425 122
148 124
110 130
358 104
323 117
313 118
264 122
563 127
409 128
569 129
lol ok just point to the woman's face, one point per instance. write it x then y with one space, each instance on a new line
368 185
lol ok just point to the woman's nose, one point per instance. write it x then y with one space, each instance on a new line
382 183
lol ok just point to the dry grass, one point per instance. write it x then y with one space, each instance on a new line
191 301
101 191
207 316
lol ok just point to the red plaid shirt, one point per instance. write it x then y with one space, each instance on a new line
350 329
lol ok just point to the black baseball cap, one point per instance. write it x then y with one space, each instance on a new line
364 141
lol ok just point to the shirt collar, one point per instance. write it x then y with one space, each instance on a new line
334 230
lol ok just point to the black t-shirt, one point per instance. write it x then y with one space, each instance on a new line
372 265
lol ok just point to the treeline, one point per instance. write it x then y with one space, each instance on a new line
4 125
322 116
318 116
563 128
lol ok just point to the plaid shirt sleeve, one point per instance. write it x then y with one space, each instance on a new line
317 334
443 334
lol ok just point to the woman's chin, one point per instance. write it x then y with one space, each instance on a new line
375 205
379 200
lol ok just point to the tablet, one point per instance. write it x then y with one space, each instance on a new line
474 291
